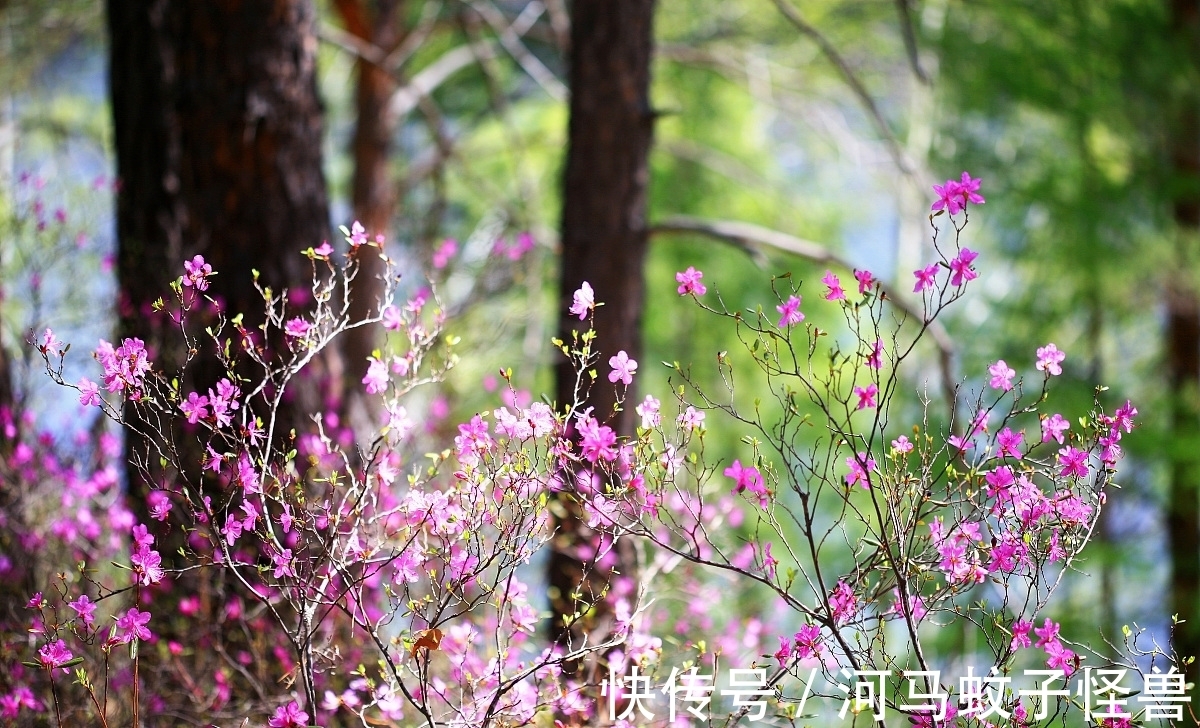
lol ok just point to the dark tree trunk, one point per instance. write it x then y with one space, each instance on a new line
218 132
603 243
1183 350
372 192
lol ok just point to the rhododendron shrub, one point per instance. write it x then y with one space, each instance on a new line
399 583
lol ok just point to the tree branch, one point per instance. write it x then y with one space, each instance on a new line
752 239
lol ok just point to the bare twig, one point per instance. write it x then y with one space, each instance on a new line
754 238
909 33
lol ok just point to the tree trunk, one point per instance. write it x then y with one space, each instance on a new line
604 243
218 132
1183 351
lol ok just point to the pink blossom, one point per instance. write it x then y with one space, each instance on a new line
197 272
1053 428
866 396
835 292
297 328
875 358
584 301
1123 417
968 189
1049 359
747 478
859 465
948 199
447 250
623 368
842 603
1047 633
648 411
377 376
789 312
289 716
1074 462
55 655
85 608
692 419
147 566
89 392
358 234
132 625
961 267
196 407
1060 658
1009 443
689 282
902 445
925 278
865 280
1002 375
324 250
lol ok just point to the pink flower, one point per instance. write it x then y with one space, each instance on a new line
902 445
865 280
689 281
842 603
196 407
289 716
55 655
648 411
85 608
789 312
584 301
1049 359
132 625
859 465
441 257
692 419
875 358
948 199
147 566
89 392
835 292
968 189
297 328
1002 375
1047 633
1020 632
324 250
747 478
358 234
1053 427
866 396
623 368
961 267
377 376
197 272
925 278
1060 658
1009 443
1074 462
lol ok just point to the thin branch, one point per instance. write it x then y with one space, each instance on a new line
754 238
408 97
510 38
851 78
909 32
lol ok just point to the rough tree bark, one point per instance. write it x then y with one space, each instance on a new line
218 134
604 235
1183 348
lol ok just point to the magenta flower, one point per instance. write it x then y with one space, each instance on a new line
55 655
866 396
901 445
623 368
807 641
859 465
925 278
441 257
376 379
147 566
747 478
196 407
1060 658
297 328
1002 375
1020 632
691 419
358 234
1050 359
961 267
865 280
283 564
289 716
1053 428
789 312
1074 462
85 608
1009 443
584 301
324 250
89 392
196 273
1047 633
648 410
949 198
835 292
689 282
875 358
132 625
968 189
842 603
